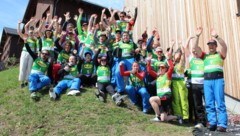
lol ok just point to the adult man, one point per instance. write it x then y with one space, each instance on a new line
37 77
127 48
195 89
214 81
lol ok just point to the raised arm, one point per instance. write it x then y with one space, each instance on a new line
196 41
26 27
183 58
79 26
19 31
223 50
188 50
39 30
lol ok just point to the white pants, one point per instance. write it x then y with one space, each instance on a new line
26 62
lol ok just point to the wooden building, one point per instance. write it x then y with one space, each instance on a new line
178 19
9 46
39 8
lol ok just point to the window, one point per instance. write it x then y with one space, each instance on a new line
238 8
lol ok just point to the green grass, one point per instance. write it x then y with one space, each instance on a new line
80 115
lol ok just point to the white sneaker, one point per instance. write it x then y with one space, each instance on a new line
73 92
199 125
52 94
156 119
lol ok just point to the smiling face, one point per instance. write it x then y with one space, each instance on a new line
67 47
212 48
125 37
88 57
48 34
103 61
162 69
135 66
44 55
72 60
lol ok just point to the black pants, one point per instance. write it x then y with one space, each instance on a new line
106 88
197 93
151 86
88 81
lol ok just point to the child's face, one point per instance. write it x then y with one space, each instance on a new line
135 66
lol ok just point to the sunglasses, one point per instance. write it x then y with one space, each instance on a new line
121 16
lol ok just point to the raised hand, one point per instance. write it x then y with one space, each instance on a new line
75 17
67 16
199 31
80 11
213 33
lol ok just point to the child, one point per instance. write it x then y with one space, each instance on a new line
136 86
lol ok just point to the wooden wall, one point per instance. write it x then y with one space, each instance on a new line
178 19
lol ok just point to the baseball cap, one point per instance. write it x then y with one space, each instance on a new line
212 41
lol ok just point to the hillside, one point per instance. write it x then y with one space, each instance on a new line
80 115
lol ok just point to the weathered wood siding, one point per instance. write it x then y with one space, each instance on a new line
178 19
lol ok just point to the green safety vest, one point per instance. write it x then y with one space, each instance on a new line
63 56
39 66
72 73
196 70
32 44
122 25
163 85
213 63
178 73
103 74
87 68
135 81
127 49
47 44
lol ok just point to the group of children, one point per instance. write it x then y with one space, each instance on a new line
104 55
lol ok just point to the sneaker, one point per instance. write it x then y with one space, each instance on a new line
118 99
221 129
156 119
100 95
22 85
199 125
212 127
146 111
180 120
52 94
34 96
73 92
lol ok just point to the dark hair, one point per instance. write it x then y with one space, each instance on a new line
124 13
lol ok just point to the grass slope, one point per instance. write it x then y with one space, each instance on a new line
80 115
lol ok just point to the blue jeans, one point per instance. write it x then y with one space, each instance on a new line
37 81
214 93
73 84
114 67
142 91
119 79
